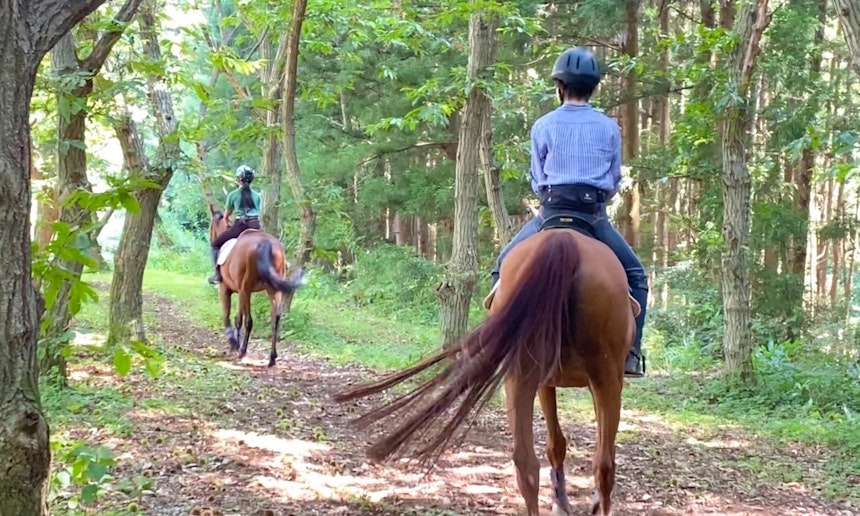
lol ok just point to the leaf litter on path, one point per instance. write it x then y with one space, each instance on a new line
217 437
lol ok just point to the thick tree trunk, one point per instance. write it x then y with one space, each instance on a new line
456 289
734 126
307 217
126 296
27 31
849 16
24 453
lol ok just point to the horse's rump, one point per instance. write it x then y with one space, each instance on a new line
530 323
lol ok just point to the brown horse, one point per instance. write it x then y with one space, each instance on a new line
561 317
256 263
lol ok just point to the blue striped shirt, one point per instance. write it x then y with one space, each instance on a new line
574 144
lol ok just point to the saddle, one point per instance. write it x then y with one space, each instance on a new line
571 220
228 246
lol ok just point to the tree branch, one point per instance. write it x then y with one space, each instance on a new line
48 20
102 48
419 145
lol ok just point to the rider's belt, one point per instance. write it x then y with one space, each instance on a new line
582 198
246 219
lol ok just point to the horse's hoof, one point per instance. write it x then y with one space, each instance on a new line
595 502
561 510
271 363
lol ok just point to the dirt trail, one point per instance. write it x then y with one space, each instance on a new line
270 442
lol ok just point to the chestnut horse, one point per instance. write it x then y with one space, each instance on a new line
561 317
257 262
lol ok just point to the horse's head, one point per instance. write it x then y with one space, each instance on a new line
217 223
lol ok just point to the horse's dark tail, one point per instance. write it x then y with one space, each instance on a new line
524 336
267 272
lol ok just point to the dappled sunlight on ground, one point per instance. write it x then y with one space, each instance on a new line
216 433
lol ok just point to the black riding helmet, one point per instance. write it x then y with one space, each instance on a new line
577 67
245 173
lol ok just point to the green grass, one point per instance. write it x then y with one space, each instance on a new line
321 322
325 322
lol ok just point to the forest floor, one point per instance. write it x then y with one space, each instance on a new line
211 435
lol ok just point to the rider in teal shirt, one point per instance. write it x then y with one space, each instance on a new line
244 204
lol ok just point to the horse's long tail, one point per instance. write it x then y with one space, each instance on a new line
268 273
525 336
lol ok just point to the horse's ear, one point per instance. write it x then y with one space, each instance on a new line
211 209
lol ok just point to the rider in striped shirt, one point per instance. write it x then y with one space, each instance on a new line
576 157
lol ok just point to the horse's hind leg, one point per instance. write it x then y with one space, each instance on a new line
232 333
276 301
607 406
520 401
243 321
556 449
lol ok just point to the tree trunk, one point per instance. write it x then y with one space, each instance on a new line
126 296
849 17
29 30
837 246
47 210
734 126
455 290
630 126
489 169
807 160
307 217
72 168
668 190
271 167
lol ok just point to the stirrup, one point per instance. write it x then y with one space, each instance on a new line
488 301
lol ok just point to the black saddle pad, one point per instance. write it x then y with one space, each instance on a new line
572 221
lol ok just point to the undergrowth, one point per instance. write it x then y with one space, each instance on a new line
382 313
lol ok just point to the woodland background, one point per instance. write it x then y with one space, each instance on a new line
391 142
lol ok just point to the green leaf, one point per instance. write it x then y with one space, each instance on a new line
122 361
96 471
90 493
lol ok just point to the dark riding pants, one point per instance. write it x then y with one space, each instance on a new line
606 233
235 230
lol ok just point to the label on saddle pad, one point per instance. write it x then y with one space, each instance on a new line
225 250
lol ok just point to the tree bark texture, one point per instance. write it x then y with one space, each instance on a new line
307 217
458 284
849 16
734 126
126 297
27 31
